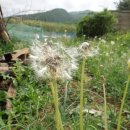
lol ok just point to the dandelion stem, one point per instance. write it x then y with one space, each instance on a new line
65 98
81 94
9 120
54 90
105 108
122 104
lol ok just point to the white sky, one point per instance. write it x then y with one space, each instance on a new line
11 7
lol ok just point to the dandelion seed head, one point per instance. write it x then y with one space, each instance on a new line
87 51
85 46
52 61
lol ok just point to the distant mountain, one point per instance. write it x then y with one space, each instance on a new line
57 15
78 15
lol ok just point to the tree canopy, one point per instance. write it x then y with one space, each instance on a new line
124 5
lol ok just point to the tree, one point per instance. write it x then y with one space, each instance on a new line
124 5
97 24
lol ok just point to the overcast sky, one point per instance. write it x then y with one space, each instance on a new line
11 7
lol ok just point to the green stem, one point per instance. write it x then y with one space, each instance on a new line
54 100
81 94
105 108
122 104
66 92
37 112
9 120
54 90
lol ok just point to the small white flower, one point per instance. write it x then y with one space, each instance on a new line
112 42
102 40
65 30
95 37
101 65
107 54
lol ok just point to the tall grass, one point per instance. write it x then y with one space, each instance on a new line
122 104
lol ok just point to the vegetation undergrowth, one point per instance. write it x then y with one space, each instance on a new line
33 108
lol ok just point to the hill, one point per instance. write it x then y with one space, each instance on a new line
55 15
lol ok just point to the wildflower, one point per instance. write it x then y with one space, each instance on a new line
84 35
65 31
112 42
52 61
101 65
107 54
95 37
103 41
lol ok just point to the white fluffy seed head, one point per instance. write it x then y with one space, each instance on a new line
52 61
87 51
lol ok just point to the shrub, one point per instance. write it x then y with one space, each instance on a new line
97 24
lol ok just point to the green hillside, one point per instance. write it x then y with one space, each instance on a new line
55 15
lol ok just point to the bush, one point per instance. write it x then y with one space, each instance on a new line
97 24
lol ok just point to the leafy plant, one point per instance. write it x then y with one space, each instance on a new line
97 24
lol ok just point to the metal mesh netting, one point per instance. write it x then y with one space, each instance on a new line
24 32
28 33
